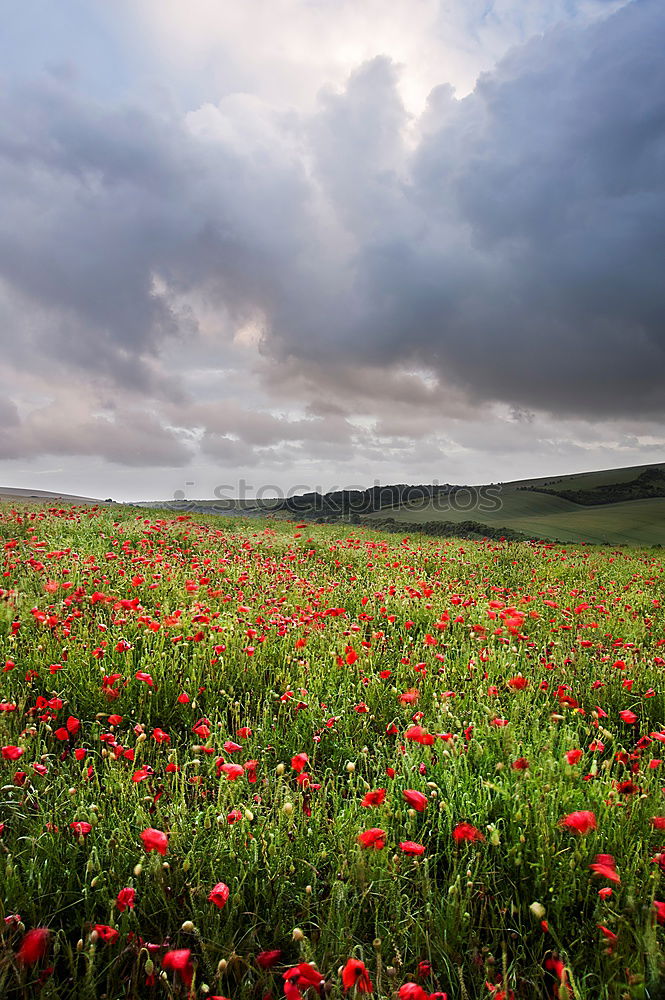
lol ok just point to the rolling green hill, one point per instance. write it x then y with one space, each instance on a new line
588 480
537 509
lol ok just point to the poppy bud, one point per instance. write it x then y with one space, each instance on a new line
222 965
297 935
280 769
287 808
538 910
188 927
350 767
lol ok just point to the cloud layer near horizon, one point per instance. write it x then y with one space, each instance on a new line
354 273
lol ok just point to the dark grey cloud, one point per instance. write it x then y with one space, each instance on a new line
101 205
536 277
511 243
132 438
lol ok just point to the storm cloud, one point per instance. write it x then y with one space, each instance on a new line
503 249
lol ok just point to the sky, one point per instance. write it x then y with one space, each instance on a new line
271 246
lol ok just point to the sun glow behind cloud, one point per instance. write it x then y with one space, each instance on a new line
291 235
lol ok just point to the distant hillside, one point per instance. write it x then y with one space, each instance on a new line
588 480
648 484
616 506
14 493
613 506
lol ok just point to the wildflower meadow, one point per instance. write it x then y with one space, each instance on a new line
261 759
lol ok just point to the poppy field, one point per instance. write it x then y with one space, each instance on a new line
260 759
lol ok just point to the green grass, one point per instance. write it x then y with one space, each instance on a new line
542 515
589 480
308 637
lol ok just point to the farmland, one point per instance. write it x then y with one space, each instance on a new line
255 758
539 515
615 507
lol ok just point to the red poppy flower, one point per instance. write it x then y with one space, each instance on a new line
572 756
106 934
375 798
466 832
627 787
409 697
155 840
372 838
219 895
80 827
628 717
410 847
418 735
411 991
266 959
518 683
660 911
232 771
579 822
300 977
125 899
355 974
34 946
521 764
178 961
299 762
12 753
605 866
610 936
415 799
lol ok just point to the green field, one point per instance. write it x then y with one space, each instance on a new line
600 507
251 759
588 480
538 515
521 507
